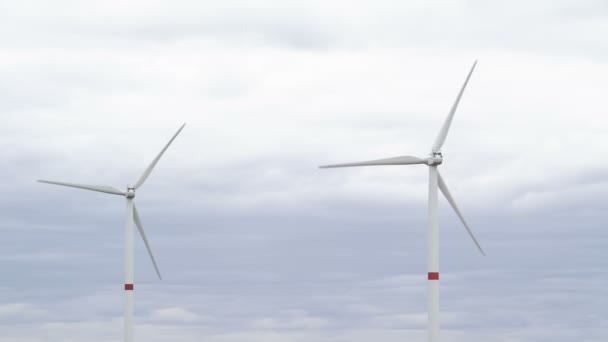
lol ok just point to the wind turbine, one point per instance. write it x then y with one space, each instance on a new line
132 217
434 159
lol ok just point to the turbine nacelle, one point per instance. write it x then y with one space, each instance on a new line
435 159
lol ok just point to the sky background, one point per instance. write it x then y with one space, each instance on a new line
254 242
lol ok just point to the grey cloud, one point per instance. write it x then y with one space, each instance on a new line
552 27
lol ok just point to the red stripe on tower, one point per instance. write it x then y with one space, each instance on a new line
433 275
128 287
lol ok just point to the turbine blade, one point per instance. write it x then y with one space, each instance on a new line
99 188
444 189
140 227
448 121
404 160
146 173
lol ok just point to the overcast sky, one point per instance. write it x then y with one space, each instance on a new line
254 242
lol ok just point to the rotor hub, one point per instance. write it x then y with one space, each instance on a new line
130 193
435 159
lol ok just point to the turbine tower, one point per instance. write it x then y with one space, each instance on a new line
435 181
132 217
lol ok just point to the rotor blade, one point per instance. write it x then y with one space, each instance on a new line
404 160
146 173
99 188
448 121
140 227
444 189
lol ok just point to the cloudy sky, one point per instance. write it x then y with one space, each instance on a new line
254 242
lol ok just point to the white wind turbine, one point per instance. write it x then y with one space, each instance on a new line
132 217
435 181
